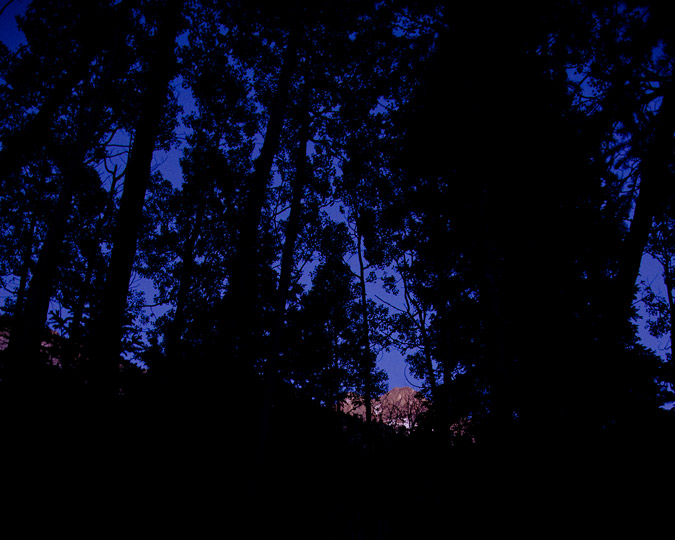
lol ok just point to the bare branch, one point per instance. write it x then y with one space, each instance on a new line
390 305
158 304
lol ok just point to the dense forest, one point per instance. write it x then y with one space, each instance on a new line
474 186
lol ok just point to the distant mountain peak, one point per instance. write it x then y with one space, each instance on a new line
400 408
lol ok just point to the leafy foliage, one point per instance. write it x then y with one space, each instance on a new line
473 186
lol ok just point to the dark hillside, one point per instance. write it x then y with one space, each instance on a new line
177 468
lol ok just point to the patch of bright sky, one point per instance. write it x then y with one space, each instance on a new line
9 33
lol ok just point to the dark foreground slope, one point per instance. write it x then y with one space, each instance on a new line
187 466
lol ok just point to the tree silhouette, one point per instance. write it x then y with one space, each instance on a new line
70 159
160 70
474 185
662 309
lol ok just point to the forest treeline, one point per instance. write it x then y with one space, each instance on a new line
473 186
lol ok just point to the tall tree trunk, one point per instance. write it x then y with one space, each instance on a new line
670 281
366 359
177 329
293 227
29 327
491 264
240 303
335 379
655 193
428 362
75 343
421 316
108 331
443 397
26 264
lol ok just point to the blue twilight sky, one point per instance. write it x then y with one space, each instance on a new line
9 33
168 162
392 362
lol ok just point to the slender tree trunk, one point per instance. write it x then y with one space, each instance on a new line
671 306
73 349
441 394
424 333
73 346
26 264
240 305
421 316
669 282
335 380
366 366
428 362
28 332
108 333
177 329
655 194
293 227
491 266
